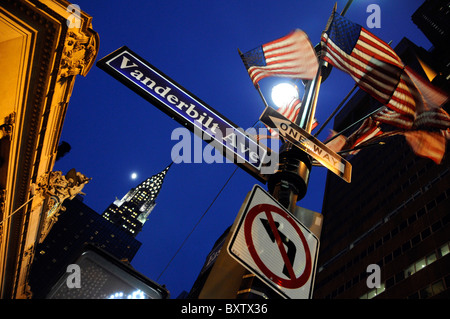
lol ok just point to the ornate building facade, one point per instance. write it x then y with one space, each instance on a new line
44 45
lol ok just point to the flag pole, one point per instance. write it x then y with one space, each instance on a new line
310 101
309 109
347 5
305 119
359 147
290 182
353 124
256 86
336 110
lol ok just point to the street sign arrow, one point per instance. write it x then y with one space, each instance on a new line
307 143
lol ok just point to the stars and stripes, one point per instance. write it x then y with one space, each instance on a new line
367 131
371 62
429 111
291 56
377 69
412 106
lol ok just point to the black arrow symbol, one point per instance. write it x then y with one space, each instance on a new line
291 249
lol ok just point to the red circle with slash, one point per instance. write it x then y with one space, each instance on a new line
294 281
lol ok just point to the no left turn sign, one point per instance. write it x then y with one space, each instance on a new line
271 243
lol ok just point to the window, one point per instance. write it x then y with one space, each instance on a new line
414 296
426 292
431 258
421 212
374 292
406 246
415 240
437 287
444 249
409 271
390 282
412 219
433 289
420 264
387 258
436 226
426 233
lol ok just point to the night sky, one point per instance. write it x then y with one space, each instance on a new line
114 132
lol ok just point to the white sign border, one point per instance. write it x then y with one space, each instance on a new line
240 221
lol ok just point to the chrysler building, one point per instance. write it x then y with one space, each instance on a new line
132 211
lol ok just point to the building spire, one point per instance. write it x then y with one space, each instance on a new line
132 211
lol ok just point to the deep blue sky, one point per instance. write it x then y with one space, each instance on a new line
114 132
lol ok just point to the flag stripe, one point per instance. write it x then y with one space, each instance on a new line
372 63
290 111
360 61
380 48
379 82
427 144
290 56
390 117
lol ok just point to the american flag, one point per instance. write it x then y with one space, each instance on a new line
371 62
291 56
368 131
429 113
291 109
411 104
424 143
387 116
427 144
411 101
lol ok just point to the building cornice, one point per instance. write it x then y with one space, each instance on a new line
56 54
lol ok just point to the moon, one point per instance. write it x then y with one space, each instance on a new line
133 175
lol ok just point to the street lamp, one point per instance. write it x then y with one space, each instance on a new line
284 93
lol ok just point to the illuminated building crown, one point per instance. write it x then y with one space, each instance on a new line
132 211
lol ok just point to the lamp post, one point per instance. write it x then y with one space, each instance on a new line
289 183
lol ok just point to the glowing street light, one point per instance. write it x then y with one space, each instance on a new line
284 93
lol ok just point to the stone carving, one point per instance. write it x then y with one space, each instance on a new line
54 184
55 188
7 127
77 54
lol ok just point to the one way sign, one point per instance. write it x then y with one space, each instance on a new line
307 143
272 244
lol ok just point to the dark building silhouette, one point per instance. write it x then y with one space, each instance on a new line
207 266
432 18
395 214
114 231
77 227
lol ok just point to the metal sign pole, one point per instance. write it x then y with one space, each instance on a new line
290 182
287 185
